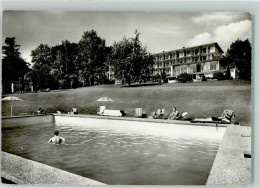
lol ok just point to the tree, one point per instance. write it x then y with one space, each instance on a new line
92 54
131 61
14 67
41 71
239 54
64 68
11 50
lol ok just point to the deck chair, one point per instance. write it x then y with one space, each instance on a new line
228 116
138 112
74 111
101 109
115 113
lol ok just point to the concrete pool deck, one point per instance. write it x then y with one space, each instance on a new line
232 164
24 171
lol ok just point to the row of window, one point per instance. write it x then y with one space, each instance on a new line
184 53
204 67
189 60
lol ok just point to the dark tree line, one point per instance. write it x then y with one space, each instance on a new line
239 55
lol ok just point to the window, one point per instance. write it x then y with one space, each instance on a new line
213 65
204 58
192 68
204 50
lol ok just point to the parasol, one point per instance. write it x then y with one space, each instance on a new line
105 99
11 98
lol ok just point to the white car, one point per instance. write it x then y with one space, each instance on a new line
118 82
172 80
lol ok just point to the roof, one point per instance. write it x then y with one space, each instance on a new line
213 43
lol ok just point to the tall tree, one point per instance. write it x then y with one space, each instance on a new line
92 54
64 56
239 54
14 67
41 71
131 60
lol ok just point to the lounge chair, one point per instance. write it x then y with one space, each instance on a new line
227 117
101 110
114 113
140 113
74 111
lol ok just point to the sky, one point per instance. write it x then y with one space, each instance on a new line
160 31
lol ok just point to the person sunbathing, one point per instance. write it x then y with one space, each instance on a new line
174 114
56 139
158 114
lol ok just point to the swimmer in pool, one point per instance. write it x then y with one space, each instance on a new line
57 139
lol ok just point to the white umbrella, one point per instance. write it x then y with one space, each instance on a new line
104 99
11 98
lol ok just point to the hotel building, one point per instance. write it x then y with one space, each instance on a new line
197 60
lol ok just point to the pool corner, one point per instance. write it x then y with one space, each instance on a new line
232 165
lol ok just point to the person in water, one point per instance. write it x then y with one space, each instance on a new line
57 139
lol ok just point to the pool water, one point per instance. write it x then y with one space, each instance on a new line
118 155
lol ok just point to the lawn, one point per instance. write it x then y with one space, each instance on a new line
200 99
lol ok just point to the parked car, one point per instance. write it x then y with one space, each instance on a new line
172 80
46 90
118 82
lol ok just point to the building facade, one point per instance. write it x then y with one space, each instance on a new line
197 60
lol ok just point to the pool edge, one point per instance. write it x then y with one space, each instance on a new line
25 171
230 166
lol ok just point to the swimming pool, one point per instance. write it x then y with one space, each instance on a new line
118 151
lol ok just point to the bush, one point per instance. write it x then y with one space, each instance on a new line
184 77
221 76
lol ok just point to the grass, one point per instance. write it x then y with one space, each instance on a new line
200 99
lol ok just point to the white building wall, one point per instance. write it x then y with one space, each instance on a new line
212 49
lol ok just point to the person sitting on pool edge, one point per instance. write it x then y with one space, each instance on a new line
174 114
56 139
